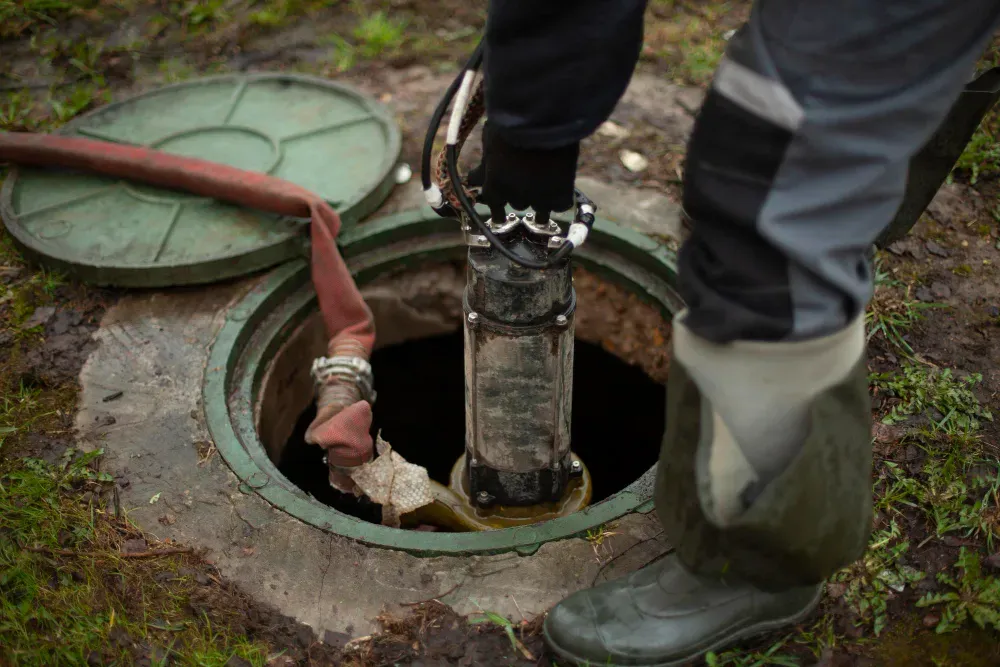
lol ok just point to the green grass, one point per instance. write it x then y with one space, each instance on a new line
377 34
947 402
18 17
769 656
276 13
508 628
871 582
981 157
66 594
892 312
687 39
969 596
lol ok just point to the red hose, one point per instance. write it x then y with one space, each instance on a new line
348 320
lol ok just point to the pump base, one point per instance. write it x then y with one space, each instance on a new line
454 510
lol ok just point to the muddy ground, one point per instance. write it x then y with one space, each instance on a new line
950 262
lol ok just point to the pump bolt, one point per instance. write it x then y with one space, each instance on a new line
561 320
529 217
554 226
484 497
512 217
473 318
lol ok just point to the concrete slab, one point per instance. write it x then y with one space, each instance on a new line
645 210
154 347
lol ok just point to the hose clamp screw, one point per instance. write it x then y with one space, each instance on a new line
484 498
561 320
576 466
473 318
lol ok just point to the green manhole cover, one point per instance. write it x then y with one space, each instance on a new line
324 136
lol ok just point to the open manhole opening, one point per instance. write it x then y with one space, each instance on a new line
409 267
619 376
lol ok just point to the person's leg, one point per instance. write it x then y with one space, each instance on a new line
797 161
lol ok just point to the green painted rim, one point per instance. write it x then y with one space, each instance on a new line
257 326
287 237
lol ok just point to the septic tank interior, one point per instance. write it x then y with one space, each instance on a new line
421 395
199 395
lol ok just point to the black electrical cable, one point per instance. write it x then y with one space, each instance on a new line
435 123
584 205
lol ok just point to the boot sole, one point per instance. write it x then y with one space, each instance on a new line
745 633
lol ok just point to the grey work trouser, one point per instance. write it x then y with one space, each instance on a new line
799 155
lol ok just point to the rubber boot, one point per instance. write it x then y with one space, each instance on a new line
666 615
763 486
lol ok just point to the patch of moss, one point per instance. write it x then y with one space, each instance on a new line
962 270
907 643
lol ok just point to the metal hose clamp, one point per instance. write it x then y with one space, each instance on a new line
355 369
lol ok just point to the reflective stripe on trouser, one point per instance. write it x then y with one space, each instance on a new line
797 161
799 156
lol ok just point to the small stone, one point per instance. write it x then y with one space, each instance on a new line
930 620
993 561
923 294
613 130
40 317
164 577
633 161
403 173
64 320
940 291
935 249
168 519
237 661
94 659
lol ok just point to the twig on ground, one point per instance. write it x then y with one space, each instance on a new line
89 554
600 571
436 598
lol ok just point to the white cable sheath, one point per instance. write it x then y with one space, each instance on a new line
458 111
577 234
433 196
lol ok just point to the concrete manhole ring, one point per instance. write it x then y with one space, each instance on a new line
241 363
